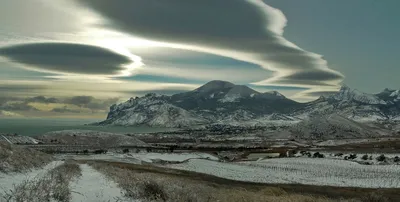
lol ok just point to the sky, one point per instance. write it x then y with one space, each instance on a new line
74 58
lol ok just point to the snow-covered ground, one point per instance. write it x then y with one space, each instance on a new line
92 186
137 158
149 157
362 158
329 172
338 142
8 180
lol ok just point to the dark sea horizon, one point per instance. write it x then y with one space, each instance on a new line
39 126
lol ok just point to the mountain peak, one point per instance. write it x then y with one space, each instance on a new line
215 85
276 93
344 88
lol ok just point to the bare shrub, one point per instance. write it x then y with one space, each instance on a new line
374 197
53 186
352 156
318 155
396 159
14 158
381 158
151 190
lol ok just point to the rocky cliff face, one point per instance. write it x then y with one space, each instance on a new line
226 103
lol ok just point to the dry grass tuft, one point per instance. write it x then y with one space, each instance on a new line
54 186
374 197
14 158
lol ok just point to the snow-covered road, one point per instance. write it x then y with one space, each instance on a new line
92 186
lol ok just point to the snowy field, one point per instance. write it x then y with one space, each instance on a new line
310 171
137 158
179 157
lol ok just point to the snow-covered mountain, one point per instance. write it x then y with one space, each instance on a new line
348 95
223 102
215 102
355 105
152 110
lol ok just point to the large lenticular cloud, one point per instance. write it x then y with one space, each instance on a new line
247 30
67 58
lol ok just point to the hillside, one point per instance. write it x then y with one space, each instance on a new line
90 138
14 158
327 127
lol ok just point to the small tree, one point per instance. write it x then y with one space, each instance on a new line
339 154
381 158
365 157
352 156
396 159
318 155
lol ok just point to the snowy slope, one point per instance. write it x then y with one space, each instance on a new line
151 110
328 127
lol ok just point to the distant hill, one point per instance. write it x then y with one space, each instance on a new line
88 137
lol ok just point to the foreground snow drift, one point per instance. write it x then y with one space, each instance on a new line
301 170
93 186
9 180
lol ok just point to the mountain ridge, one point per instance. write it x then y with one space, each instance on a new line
222 102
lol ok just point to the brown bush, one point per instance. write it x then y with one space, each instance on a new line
14 158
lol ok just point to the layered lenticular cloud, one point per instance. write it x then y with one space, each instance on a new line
67 58
247 30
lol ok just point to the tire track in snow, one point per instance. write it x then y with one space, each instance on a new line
92 186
